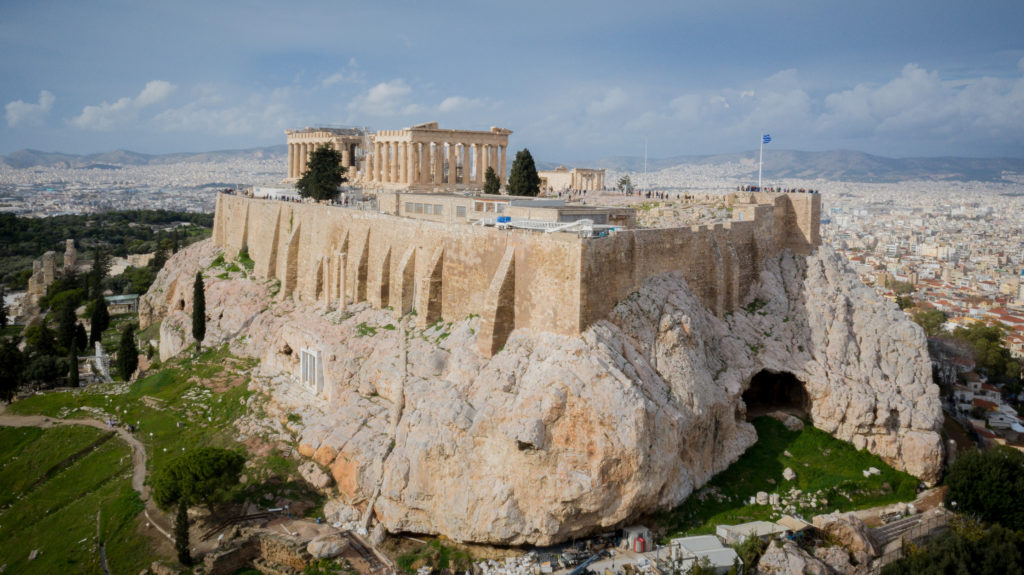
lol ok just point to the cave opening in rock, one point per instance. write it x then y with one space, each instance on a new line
770 391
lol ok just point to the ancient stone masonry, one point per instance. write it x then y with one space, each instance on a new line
562 178
557 282
423 157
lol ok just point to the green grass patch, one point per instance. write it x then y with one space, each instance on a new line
245 260
58 515
172 409
436 555
830 469
363 330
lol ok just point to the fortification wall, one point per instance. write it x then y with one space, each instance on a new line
320 252
511 278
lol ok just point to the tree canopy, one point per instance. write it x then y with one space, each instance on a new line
491 183
625 185
989 484
931 320
204 475
100 320
994 551
324 173
523 179
990 353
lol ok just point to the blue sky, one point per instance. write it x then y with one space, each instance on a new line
575 81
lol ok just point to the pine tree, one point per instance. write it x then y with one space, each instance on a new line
491 183
73 367
100 320
324 173
523 180
181 543
127 353
199 311
12 368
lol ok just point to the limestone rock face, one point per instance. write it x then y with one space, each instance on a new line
790 559
556 436
850 532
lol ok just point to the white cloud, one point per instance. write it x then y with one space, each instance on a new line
350 74
614 100
458 104
212 112
386 99
19 112
125 110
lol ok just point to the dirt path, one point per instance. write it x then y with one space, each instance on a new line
153 515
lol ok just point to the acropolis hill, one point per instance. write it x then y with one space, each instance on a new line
544 375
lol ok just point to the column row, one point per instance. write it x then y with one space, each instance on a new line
434 162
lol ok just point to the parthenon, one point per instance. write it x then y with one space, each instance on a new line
422 157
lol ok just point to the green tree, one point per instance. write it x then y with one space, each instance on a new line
73 367
81 338
324 173
989 484
198 310
523 179
993 552
904 302
491 183
12 366
101 263
100 320
990 353
127 353
625 185
205 475
931 320
66 325
3 308
181 542
40 340
159 256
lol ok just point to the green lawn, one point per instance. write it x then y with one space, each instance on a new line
825 466
173 410
55 481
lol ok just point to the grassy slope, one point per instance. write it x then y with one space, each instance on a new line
160 402
822 464
56 514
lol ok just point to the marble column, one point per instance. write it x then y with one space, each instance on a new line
501 176
451 164
346 156
410 162
378 162
478 159
438 163
414 163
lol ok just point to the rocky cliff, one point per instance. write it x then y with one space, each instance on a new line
557 436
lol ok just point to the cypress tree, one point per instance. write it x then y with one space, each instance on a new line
3 308
73 367
66 325
491 183
100 320
127 353
198 311
523 179
181 543
81 338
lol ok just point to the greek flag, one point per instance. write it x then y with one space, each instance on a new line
766 138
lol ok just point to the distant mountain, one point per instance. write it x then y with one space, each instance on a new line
837 165
119 158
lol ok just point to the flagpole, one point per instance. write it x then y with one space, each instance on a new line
760 158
